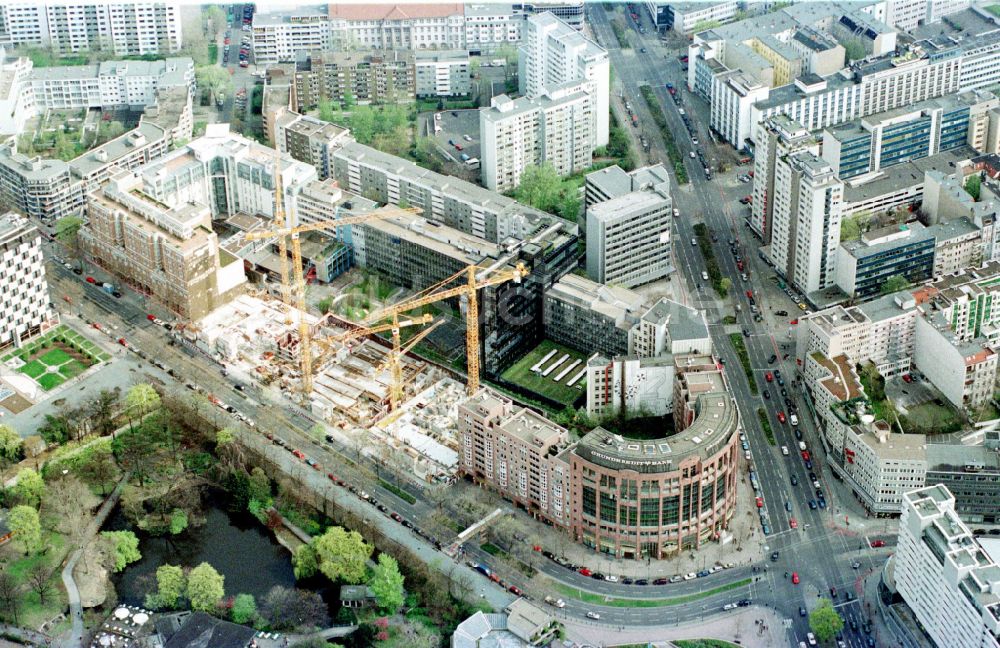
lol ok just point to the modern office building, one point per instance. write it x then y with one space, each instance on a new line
354 76
909 14
591 317
668 327
516 452
806 221
864 265
881 466
612 182
24 311
944 575
685 17
442 74
971 474
628 237
777 137
125 28
168 252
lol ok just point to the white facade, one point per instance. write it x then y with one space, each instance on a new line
909 14
950 582
777 137
806 229
110 84
630 385
278 38
965 372
126 28
402 26
25 306
733 97
490 25
628 237
882 466
683 16
17 101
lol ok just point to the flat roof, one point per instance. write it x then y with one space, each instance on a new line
901 236
899 176
144 134
954 457
401 11
683 322
614 302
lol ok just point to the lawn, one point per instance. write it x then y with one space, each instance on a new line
993 9
931 418
50 381
33 369
55 357
521 374
33 613
598 599
72 369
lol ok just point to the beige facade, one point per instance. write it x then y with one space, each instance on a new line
362 77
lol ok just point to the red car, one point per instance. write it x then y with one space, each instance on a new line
907 378
878 543
299 454
458 147
805 455
91 280
760 502
781 416
151 317
794 322
792 523
585 572
750 294
795 578
513 589
769 377
739 264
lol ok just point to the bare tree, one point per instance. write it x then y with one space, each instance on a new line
10 596
39 581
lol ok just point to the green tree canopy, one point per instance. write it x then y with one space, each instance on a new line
205 588
244 608
26 527
543 188
141 399
387 584
225 436
304 561
178 521
170 586
259 485
11 445
973 185
67 228
895 283
215 79
825 622
125 545
342 554
30 487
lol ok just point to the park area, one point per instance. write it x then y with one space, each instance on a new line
552 370
60 355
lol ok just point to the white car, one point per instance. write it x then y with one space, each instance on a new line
811 638
611 579
730 606
690 576
692 155
784 450
704 275
593 615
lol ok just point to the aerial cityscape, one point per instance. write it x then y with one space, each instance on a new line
494 325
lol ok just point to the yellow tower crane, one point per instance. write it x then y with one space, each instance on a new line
329 342
295 286
395 364
468 289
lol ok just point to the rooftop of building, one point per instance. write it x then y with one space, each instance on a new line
888 306
892 446
683 322
35 169
813 39
353 58
122 146
312 127
619 304
953 229
113 68
13 225
441 56
954 457
888 238
901 176
792 92
447 241
503 107
534 429
686 7
567 35
636 202
389 11
842 383
611 181
968 22
488 9
715 422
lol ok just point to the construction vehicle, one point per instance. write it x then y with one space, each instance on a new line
468 290
296 290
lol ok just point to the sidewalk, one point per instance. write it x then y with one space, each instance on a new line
731 626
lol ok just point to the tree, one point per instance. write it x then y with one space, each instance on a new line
972 186
170 586
215 20
205 588
10 445
893 284
133 450
387 584
39 579
55 429
178 521
244 608
724 286
26 528
362 124
225 436
141 399
30 488
66 506
854 49
10 596
100 469
342 554
288 609
427 154
304 562
125 546
101 409
825 622
705 25
67 229
542 188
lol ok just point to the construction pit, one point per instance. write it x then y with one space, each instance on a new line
257 337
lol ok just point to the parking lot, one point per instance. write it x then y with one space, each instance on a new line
459 133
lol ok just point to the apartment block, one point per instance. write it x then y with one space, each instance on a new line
944 575
963 370
168 252
126 28
591 317
628 237
684 17
881 466
491 25
733 95
36 187
279 37
442 74
864 265
310 140
129 151
806 221
24 309
777 138
359 76
909 14
16 105
958 244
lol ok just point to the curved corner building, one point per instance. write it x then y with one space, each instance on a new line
654 498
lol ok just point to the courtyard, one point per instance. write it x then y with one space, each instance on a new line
55 357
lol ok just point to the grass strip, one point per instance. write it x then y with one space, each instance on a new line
720 283
668 138
741 351
598 599
398 492
764 423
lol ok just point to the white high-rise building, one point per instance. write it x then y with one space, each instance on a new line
909 14
125 28
949 580
806 220
776 138
24 310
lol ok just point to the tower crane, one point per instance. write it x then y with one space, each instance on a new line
395 363
467 289
294 287
395 325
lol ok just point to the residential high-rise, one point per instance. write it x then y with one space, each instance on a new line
442 74
37 187
169 252
310 140
280 37
24 311
628 237
948 579
777 137
125 28
806 221
355 76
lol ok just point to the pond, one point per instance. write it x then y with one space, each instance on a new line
234 543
